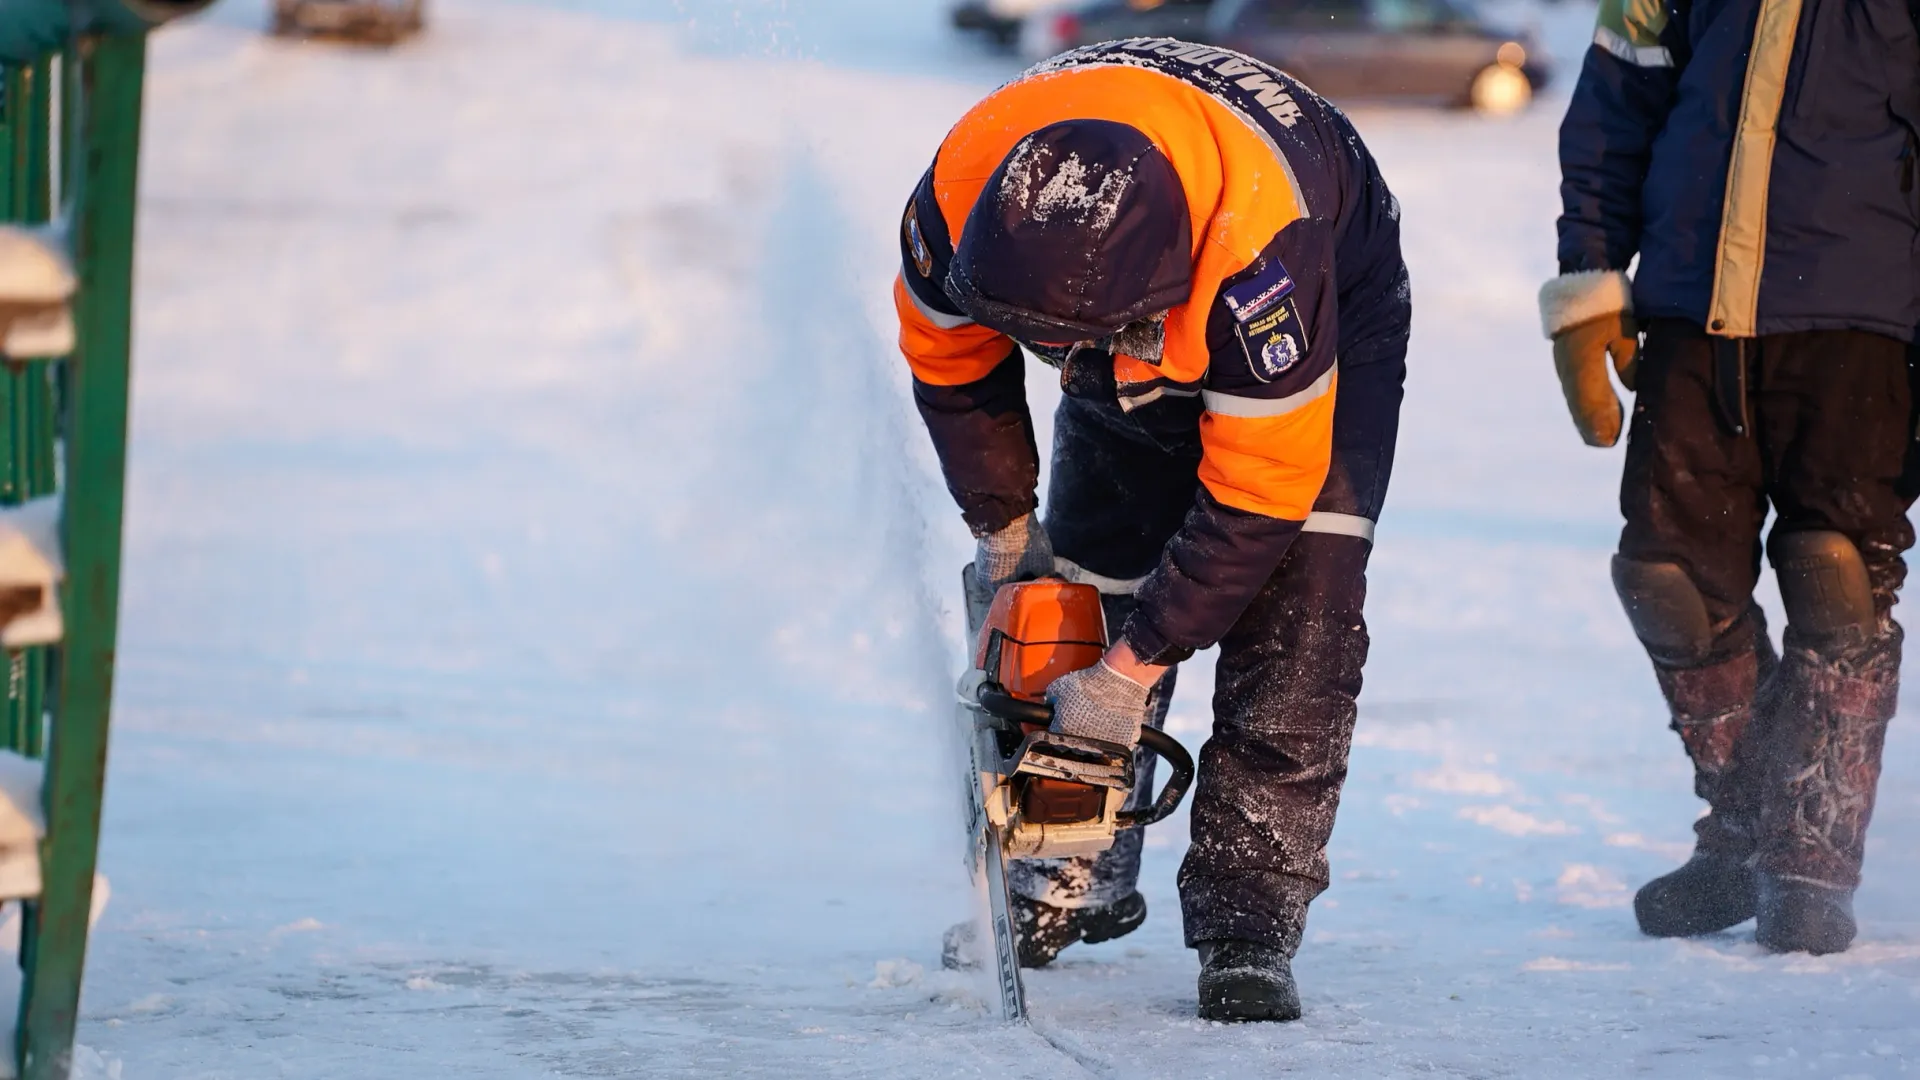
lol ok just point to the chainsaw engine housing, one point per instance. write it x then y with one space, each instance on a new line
1037 631
1057 795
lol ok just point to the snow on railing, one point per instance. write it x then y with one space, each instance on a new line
37 283
31 569
23 823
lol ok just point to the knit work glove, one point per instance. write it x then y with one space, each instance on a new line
1098 703
1589 316
1019 552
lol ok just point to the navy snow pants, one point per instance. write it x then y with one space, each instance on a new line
1288 673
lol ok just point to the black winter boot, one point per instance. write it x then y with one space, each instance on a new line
1245 980
1042 930
1708 893
1713 709
1823 751
1804 916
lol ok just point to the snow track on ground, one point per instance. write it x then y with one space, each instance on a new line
539 616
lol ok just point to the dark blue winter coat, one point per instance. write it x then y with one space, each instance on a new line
1758 156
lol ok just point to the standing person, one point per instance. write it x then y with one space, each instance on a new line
1192 238
1758 156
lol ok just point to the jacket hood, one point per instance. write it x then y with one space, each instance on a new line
1082 229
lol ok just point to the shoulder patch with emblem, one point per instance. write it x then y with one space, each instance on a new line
1267 321
916 243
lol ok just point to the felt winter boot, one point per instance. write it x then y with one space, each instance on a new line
1822 767
1713 711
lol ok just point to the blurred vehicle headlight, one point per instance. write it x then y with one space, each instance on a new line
1020 9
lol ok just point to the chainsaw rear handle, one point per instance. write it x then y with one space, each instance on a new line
1004 706
1168 749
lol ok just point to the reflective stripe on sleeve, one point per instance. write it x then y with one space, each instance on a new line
938 318
1646 56
1080 575
1320 521
1130 402
1254 408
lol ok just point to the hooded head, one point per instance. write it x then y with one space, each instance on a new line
1081 230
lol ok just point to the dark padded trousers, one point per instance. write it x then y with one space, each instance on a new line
1829 443
1830 431
1289 669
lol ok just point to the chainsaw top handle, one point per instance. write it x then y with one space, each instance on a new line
998 703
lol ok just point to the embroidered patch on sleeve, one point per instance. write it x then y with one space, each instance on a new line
916 243
1266 318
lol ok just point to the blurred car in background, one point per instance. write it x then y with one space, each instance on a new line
1087 21
1427 51
1412 50
378 22
1002 20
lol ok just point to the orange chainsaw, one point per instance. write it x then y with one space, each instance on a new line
1033 793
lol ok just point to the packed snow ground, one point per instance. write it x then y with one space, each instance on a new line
538 610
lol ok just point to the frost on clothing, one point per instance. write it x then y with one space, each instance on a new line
1828 449
1259 227
1288 678
1080 230
1064 193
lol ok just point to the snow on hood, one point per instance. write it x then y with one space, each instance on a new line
1064 193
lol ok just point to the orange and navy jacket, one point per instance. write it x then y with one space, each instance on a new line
1296 272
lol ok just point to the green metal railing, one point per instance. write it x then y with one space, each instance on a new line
73 73
27 407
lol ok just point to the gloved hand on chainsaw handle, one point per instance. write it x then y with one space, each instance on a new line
1098 702
1019 552
1589 316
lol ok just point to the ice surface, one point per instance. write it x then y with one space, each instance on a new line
88 1063
540 611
